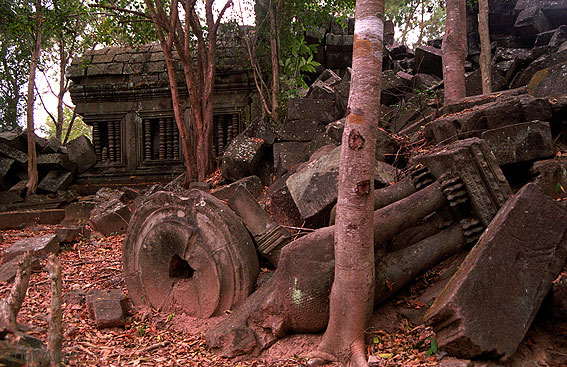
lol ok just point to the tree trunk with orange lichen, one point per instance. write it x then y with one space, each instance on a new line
352 295
454 51
485 53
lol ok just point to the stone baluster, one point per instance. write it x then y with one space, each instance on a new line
175 140
169 138
162 138
118 141
147 140
220 138
96 142
111 142
229 131
235 125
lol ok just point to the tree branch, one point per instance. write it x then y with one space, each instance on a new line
10 306
122 10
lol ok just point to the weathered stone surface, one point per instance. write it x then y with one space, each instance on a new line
280 204
542 62
107 308
9 268
106 194
549 81
251 183
473 121
12 153
322 110
38 247
55 181
394 86
71 232
288 155
262 130
559 37
81 152
55 161
521 142
15 139
558 295
319 142
531 21
423 81
20 219
335 130
190 254
79 211
110 217
428 60
473 162
5 166
203 186
551 177
314 188
268 235
342 91
241 157
507 273
473 81
300 130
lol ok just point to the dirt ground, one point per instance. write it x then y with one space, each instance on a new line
152 338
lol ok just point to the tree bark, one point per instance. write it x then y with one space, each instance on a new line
10 306
32 156
352 295
55 333
454 51
199 73
485 52
275 7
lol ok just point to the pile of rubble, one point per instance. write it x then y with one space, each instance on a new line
481 182
56 166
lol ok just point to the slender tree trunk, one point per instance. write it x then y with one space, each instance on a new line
55 332
485 52
352 295
454 51
32 156
62 89
275 57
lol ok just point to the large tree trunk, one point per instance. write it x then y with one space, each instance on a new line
454 51
62 90
275 7
352 295
485 53
32 156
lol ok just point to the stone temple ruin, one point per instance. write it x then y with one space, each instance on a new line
479 184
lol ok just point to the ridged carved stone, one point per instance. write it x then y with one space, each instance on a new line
188 253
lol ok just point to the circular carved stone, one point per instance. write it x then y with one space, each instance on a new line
188 253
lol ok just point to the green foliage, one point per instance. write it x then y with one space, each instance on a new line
424 19
433 347
79 127
121 23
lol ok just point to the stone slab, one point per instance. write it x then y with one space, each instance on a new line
473 162
322 110
111 217
300 130
55 161
38 247
490 302
20 219
241 157
288 155
251 183
55 181
520 142
79 211
12 153
82 153
107 308
8 269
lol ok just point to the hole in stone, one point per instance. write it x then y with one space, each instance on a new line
179 268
